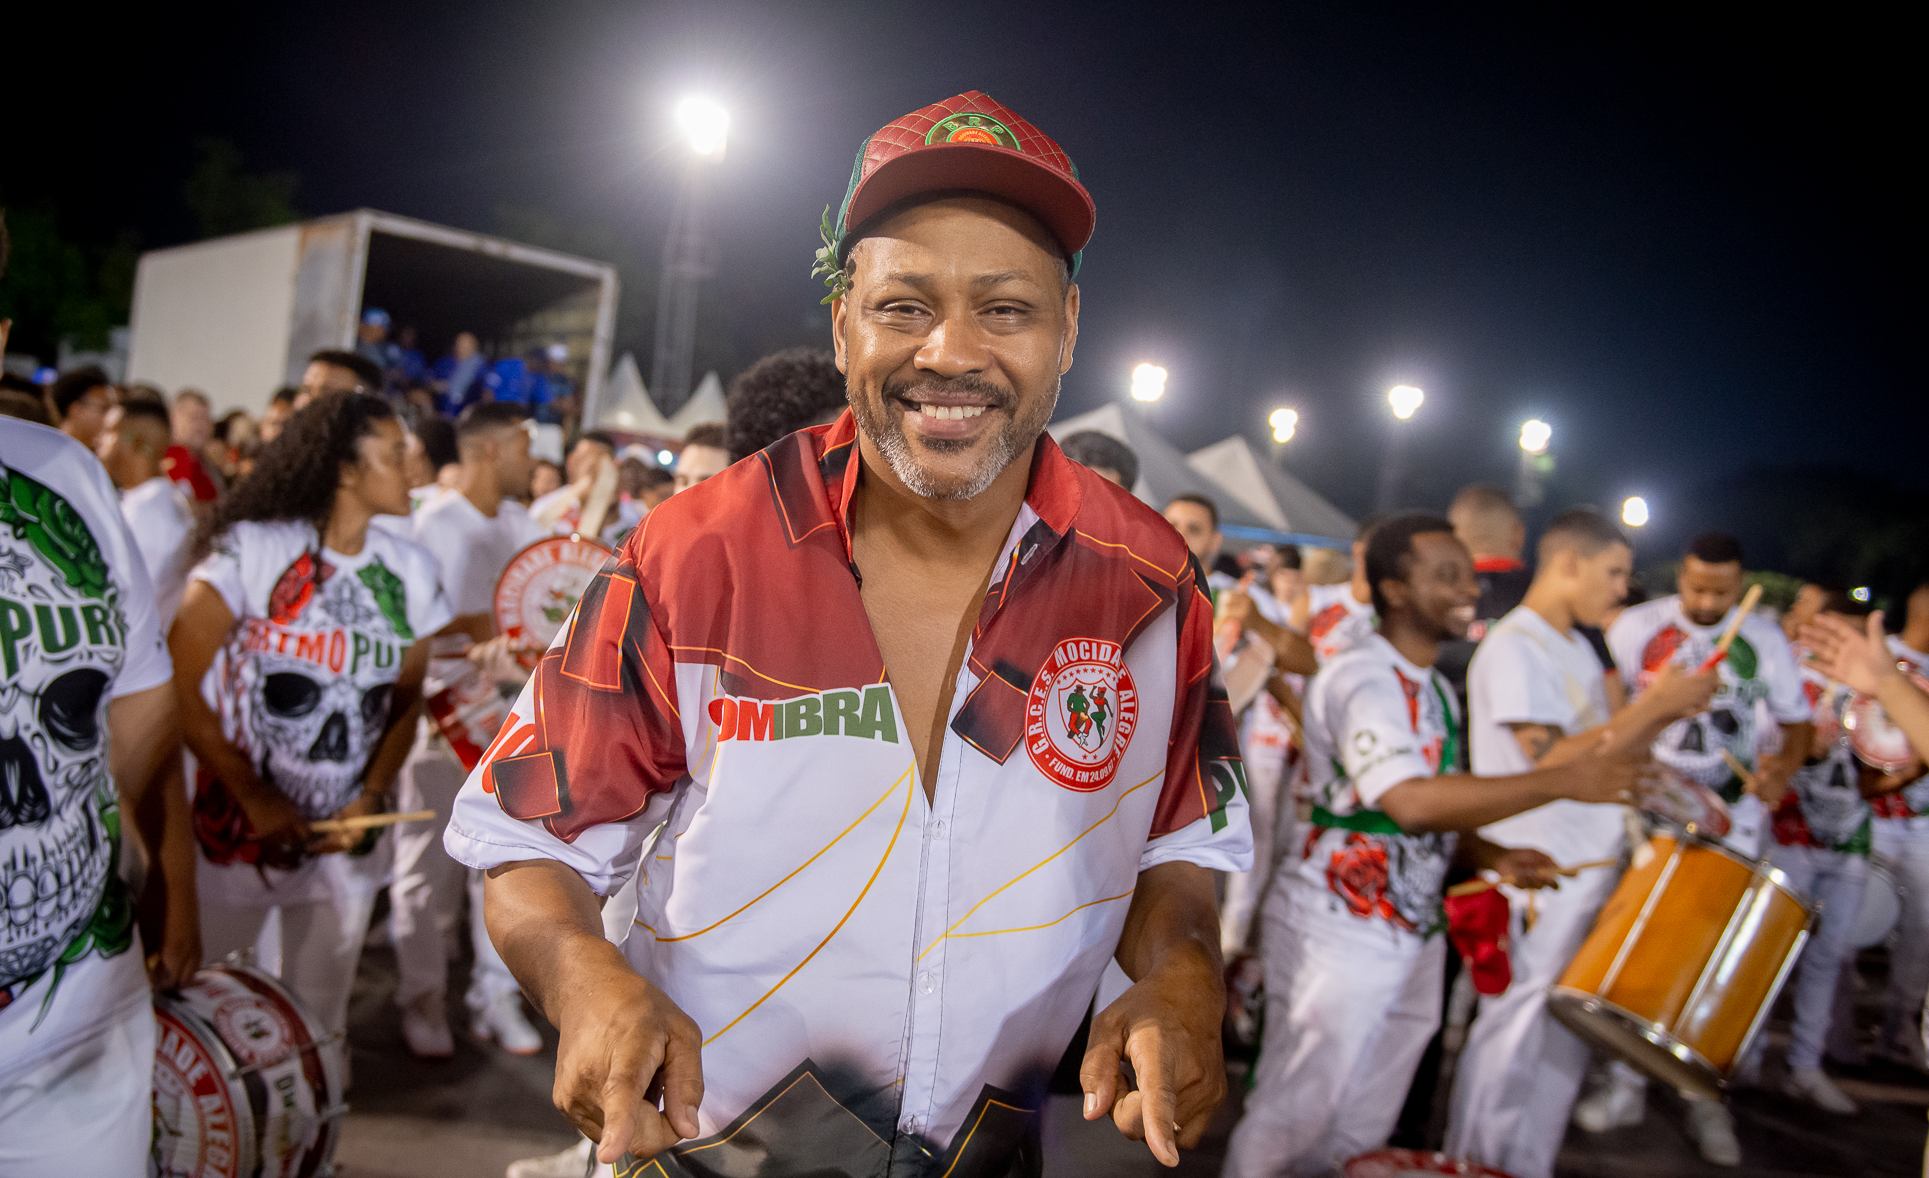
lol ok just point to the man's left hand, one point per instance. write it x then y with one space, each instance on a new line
347 840
1167 1028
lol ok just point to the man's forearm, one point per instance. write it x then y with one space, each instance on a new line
1908 707
1463 802
1174 920
548 927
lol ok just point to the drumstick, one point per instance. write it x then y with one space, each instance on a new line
367 821
1727 639
1474 886
1749 784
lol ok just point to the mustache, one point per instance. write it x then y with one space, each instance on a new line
903 389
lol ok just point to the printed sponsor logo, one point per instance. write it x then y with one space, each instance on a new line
865 713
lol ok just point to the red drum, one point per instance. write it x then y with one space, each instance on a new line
1414 1163
1876 739
540 585
246 1085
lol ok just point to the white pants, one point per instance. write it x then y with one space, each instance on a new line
321 944
1520 1071
1350 1006
1832 882
1266 786
1904 844
87 1110
425 895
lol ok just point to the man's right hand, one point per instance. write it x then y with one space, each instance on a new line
623 1041
1678 693
273 817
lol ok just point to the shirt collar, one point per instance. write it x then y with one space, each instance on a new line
1052 492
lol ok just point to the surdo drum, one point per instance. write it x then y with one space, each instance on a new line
245 1083
1684 961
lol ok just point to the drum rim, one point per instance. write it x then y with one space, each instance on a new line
208 1038
1655 1034
1762 868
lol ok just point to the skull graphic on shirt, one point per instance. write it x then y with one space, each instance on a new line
62 635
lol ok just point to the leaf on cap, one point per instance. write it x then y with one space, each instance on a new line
826 265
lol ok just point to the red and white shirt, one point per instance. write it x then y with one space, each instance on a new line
1336 620
882 982
1375 719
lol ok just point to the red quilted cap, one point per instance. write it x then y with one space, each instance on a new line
970 143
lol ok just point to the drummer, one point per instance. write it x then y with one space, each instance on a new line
1538 698
1351 939
1902 841
1719 748
1822 838
85 736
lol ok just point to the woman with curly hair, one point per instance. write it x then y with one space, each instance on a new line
298 658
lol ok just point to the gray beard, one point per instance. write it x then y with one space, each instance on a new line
887 435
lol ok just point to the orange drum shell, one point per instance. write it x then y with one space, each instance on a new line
1694 943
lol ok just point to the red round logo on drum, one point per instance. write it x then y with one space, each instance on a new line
1080 714
196 1129
540 585
251 1031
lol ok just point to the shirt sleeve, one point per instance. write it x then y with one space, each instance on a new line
147 663
1625 640
595 736
428 611
1787 702
1378 747
221 569
1515 687
1201 816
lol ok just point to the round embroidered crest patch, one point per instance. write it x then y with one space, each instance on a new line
1080 714
971 127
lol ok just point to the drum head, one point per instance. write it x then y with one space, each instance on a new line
1881 907
1680 802
1414 1163
1876 739
539 586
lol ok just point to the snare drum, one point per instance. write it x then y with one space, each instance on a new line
1684 961
245 1083
1414 1163
1881 907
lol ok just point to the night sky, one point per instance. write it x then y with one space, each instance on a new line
1683 244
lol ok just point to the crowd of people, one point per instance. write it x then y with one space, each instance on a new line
879 631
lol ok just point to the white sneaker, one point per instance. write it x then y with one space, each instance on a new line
570 1163
1611 1106
1713 1131
502 1020
1814 1086
425 1028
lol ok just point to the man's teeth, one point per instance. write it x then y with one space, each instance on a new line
950 412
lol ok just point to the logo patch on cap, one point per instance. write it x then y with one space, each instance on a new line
972 127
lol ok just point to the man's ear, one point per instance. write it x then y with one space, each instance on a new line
840 313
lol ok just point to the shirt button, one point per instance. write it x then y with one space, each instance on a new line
927 982
908 1125
937 828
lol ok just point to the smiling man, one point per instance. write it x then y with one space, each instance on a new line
893 838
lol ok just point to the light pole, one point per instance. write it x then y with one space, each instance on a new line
1405 401
704 127
1536 462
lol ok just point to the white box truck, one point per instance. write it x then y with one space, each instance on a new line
237 317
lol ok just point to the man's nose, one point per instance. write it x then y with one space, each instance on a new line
955 347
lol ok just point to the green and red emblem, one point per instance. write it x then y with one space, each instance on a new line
972 127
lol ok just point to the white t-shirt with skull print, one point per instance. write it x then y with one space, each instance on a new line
77 630
303 686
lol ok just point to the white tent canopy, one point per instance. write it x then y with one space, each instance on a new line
626 404
706 404
1280 500
1163 470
